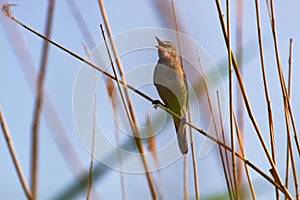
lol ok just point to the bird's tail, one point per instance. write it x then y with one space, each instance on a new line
181 135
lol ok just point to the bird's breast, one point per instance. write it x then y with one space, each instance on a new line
171 78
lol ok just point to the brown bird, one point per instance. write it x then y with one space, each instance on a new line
172 87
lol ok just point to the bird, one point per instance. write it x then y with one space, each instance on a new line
171 85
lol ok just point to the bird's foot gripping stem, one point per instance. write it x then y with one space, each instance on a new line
156 102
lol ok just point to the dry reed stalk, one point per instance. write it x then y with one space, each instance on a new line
117 79
185 177
196 183
239 100
267 96
227 170
39 103
290 153
233 160
151 140
112 97
90 185
224 164
287 172
290 68
286 99
287 168
152 148
14 156
274 170
128 106
132 117
207 92
243 153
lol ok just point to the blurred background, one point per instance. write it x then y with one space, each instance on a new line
59 168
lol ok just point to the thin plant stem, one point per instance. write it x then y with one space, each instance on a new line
132 124
196 184
132 114
117 79
152 148
290 153
177 34
39 103
133 118
14 156
122 176
110 91
185 177
286 100
90 186
287 172
289 95
240 108
290 149
226 172
120 68
287 169
267 96
243 153
212 114
89 192
290 68
233 160
200 131
285 96
248 106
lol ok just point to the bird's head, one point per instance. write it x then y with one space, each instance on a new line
166 50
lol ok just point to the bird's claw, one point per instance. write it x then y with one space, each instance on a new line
155 103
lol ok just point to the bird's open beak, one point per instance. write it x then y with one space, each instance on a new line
159 42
